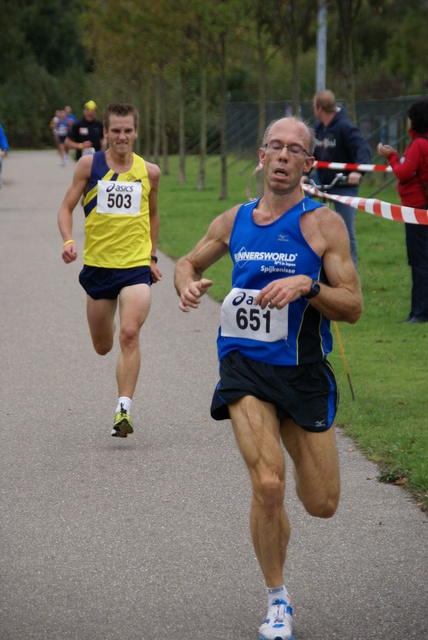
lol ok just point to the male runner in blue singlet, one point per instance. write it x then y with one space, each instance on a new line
121 228
292 274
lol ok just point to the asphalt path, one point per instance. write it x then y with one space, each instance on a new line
148 538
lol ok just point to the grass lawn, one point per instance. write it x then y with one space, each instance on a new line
387 360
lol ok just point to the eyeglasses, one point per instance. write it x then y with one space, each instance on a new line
273 146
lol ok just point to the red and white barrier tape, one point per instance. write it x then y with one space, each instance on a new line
336 166
377 207
343 166
352 167
369 205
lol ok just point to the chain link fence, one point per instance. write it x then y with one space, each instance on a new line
379 121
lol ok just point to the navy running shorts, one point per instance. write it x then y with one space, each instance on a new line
105 284
307 394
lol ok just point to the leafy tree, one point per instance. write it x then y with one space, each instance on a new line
290 25
113 38
36 57
224 21
197 30
51 30
178 61
408 48
139 38
14 49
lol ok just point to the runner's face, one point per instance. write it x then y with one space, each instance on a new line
89 115
121 134
284 169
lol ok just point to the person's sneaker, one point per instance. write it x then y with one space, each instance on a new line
122 424
279 622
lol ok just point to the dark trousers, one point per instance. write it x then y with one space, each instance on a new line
417 255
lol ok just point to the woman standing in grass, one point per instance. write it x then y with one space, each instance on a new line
412 173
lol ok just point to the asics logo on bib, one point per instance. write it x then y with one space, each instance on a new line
127 188
241 298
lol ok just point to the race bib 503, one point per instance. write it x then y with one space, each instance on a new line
119 197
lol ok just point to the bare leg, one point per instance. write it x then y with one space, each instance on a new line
316 468
257 430
134 306
100 315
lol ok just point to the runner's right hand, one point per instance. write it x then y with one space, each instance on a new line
69 253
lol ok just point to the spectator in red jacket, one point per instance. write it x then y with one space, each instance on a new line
412 173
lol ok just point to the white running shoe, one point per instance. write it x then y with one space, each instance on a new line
279 622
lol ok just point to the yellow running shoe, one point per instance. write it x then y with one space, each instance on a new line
122 424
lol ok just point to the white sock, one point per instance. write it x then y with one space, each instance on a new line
278 593
125 403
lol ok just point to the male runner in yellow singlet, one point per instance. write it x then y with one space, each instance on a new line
121 228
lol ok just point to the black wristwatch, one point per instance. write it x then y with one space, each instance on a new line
314 291
154 258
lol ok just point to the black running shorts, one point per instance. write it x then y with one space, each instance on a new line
100 283
307 394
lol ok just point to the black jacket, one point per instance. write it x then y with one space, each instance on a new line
340 141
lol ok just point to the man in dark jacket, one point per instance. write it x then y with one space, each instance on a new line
87 134
339 140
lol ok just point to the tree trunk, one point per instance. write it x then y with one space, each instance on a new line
348 11
349 78
203 127
181 130
262 111
294 53
163 124
223 123
156 144
295 91
147 127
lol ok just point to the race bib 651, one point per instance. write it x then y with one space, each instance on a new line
241 318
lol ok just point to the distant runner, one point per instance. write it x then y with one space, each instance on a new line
86 135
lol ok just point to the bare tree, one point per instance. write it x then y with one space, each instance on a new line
181 128
348 11
296 15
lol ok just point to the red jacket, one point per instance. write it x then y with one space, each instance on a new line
415 158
